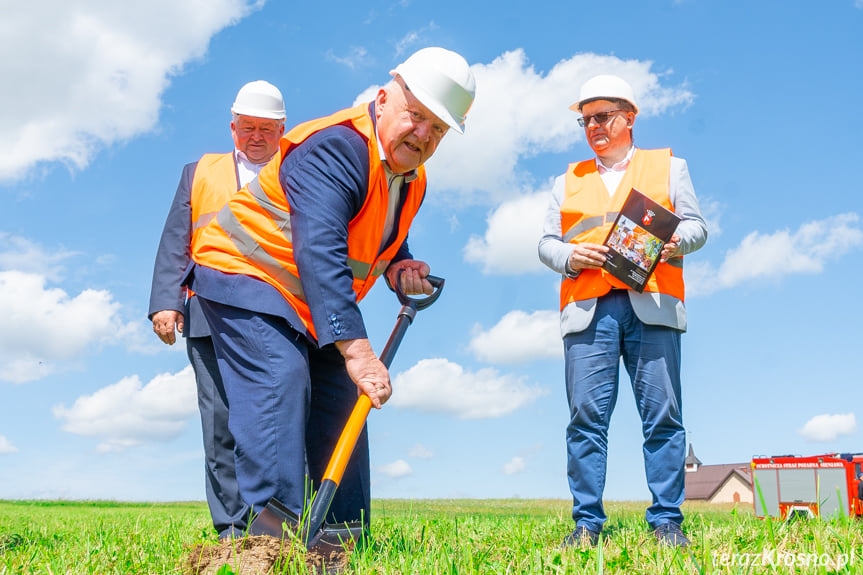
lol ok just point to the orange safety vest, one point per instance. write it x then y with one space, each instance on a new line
587 213
214 181
251 234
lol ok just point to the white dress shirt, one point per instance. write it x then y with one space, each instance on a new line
246 169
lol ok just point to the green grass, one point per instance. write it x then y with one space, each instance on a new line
435 536
97 537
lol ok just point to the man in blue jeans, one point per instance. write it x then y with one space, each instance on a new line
603 321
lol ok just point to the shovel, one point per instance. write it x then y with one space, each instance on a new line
275 518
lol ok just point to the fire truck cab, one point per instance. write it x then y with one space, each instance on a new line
788 486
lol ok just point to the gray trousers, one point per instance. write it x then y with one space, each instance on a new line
223 494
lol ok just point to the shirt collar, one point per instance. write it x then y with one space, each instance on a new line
242 158
619 166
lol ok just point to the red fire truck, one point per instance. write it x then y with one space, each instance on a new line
788 486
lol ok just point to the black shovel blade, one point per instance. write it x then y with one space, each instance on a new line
330 549
274 519
332 537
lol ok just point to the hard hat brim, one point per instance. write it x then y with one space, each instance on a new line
427 100
256 113
577 106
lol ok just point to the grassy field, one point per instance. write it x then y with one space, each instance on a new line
435 536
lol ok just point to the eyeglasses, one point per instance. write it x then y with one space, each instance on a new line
601 118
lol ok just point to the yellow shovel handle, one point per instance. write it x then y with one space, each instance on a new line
348 439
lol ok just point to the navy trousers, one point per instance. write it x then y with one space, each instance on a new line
288 404
223 493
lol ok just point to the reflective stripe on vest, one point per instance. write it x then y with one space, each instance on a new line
251 250
282 218
362 270
252 234
203 221
588 224
588 211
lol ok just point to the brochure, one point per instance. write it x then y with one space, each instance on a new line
639 232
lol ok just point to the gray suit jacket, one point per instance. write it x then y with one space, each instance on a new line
651 308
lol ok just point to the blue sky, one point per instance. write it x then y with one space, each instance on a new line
103 105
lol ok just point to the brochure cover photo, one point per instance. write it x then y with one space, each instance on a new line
636 238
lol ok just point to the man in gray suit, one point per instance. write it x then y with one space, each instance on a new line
602 320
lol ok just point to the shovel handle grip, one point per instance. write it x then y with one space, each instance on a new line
416 302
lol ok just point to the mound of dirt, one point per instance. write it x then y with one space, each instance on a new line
258 555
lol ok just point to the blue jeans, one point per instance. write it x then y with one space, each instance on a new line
651 356
288 402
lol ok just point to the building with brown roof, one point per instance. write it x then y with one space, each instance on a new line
724 483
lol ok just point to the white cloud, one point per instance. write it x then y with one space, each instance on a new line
440 386
127 413
367 95
355 58
137 337
520 113
774 256
6 446
42 327
519 337
396 469
509 245
410 41
420 451
23 255
515 465
94 76
828 427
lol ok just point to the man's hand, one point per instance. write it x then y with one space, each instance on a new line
587 256
164 322
413 277
669 250
366 370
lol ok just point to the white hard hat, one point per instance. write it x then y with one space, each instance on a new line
261 100
603 87
442 81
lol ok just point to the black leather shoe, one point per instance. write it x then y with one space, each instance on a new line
582 537
671 535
